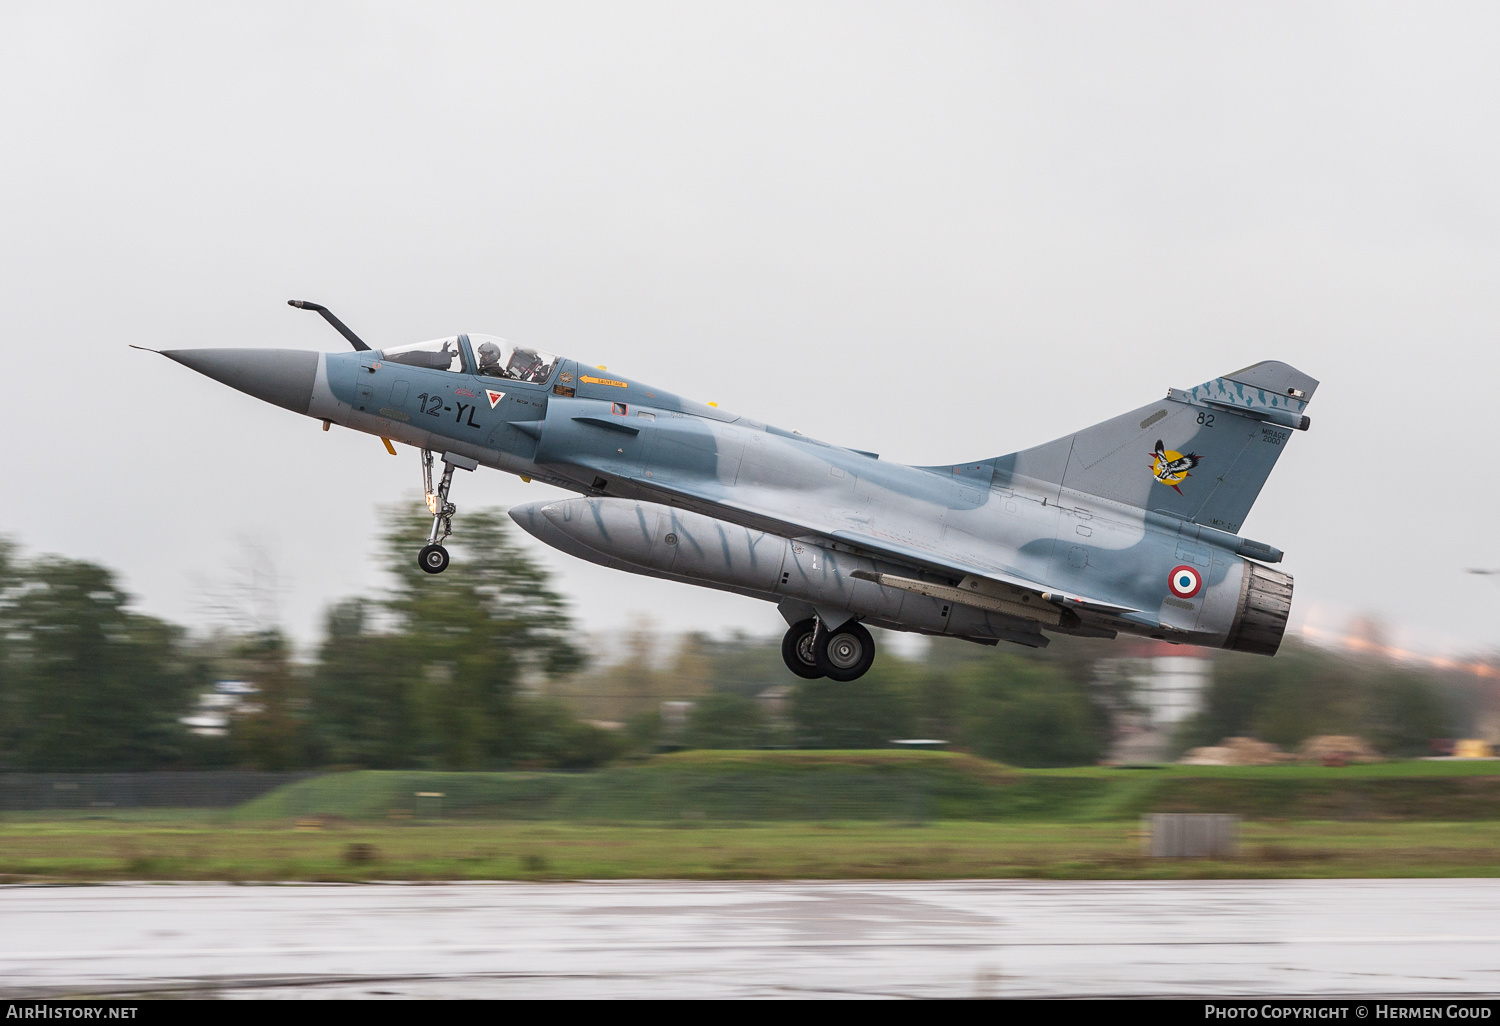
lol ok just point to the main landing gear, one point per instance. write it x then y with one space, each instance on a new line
811 651
434 558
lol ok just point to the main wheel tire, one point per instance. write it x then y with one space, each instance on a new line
433 559
797 650
845 653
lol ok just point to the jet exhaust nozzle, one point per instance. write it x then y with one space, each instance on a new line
1265 604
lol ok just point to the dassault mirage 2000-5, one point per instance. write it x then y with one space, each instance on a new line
1130 526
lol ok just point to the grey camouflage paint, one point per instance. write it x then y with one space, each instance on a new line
1075 536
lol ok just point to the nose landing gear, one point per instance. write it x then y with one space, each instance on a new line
433 558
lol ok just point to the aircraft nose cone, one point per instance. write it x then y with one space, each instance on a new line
281 376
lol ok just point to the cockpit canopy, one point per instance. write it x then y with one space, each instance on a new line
496 358
439 354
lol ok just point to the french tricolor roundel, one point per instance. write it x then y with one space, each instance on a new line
1184 582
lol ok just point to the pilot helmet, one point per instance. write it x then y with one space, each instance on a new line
489 353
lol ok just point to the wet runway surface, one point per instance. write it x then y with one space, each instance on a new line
801 939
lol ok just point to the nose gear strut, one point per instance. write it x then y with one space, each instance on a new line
434 558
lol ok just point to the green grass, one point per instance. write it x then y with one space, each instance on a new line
709 785
778 815
1299 771
884 785
173 849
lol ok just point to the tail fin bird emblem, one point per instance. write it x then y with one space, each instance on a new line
1171 467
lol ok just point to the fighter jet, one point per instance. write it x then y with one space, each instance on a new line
1127 527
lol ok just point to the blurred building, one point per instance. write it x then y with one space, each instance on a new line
776 705
1149 693
212 712
674 720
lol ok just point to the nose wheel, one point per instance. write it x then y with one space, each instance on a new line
433 558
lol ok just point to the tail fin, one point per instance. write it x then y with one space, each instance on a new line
1201 454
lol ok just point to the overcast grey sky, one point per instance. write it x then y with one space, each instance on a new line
937 231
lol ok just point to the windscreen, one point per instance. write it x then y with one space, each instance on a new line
439 354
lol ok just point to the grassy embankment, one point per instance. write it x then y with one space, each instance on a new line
883 785
788 815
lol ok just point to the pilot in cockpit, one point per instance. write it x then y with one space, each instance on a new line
489 360
500 360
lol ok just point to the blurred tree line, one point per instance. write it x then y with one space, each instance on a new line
85 683
1025 707
441 672
1306 691
1009 706
481 668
